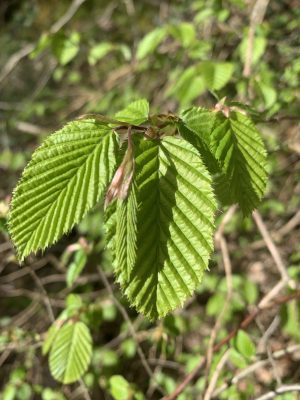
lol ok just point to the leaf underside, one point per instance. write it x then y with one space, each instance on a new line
174 207
65 178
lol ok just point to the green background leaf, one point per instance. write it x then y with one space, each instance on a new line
71 352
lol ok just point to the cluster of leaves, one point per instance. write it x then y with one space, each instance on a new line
160 204
156 172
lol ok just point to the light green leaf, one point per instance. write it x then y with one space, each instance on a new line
120 388
187 86
76 267
135 113
185 33
238 148
237 359
150 42
215 74
99 51
175 222
51 334
66 48
126 227
259 47
71 352
66 177
244 344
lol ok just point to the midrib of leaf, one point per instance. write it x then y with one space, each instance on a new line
165 247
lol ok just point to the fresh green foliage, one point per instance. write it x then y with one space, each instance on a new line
160 202
66 177
70 352
237 147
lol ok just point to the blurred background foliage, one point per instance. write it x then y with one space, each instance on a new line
61 59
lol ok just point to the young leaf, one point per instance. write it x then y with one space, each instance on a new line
135 113
150 42
237 146
215 74
241 154
120 388
175 215
71 352
76 267
66 177
244 344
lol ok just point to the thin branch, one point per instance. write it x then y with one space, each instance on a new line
281 390
130 326
267 301
272 248
254 367
256 18
214 379
221 241
14 60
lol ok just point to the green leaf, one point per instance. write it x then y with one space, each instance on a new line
187 86
120 388
71 352
126 232
51 334
150 42
175 222
185 33
66 48
99 51
135 113
215 74
237 359
76 267
66 177
259 47
244 344
237 146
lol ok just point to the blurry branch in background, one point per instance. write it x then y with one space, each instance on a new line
267 302
57 26
270 299
276 355
214 378
222 244
279 391
256 18
26 50
29 128
130 327
272 249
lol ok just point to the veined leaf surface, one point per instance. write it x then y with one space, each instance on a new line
135 113
239 150
65 178
71 352
174 226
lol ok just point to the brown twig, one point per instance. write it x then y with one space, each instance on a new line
214 379
256 17
272 248
266 302
254 367
130 326
279 391
221 241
